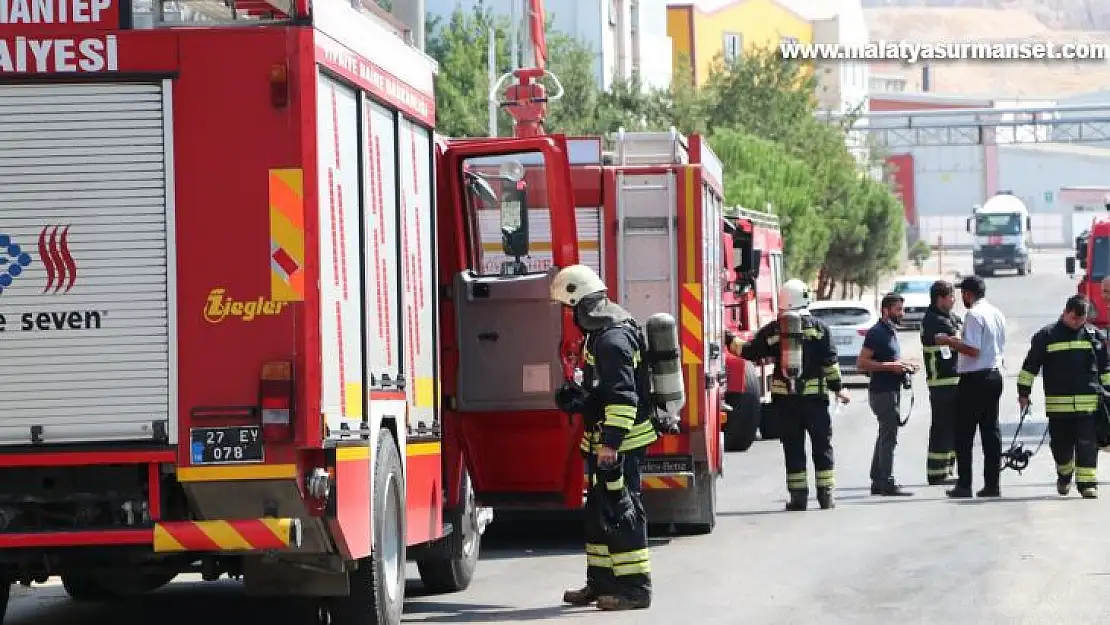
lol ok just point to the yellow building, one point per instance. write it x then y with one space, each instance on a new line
701 31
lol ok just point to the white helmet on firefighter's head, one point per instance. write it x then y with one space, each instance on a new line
794 295
573 283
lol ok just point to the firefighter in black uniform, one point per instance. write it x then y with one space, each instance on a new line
614 401
799 391
940 369
1073 358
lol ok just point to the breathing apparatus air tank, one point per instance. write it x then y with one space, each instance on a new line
667 388
791 341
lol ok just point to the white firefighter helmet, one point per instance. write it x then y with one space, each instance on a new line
573 283
794 295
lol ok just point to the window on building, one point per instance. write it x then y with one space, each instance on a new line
733 47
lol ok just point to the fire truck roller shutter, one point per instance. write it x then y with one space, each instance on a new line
86 298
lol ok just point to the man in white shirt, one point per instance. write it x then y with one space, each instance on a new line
980 388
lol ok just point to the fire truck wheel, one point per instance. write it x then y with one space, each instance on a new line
453 574
113 585
378 584
83 588
743 421
5 594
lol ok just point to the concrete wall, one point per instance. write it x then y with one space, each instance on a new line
1036 173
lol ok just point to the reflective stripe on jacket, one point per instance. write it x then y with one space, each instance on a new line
939 371
1073 365
617 378
820 368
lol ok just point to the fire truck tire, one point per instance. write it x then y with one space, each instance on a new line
112 586
446 575
378 584
5 595
743 421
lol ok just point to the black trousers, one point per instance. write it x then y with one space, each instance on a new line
977 409
942 435
1074 447
617 558
796 416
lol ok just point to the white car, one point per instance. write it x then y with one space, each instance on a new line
848 322
915 291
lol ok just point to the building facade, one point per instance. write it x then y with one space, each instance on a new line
702 31
627 37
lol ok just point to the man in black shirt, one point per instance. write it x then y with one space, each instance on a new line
881 357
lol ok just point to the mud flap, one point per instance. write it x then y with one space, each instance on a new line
680 501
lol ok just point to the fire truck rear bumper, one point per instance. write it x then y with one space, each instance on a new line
666 481
240 535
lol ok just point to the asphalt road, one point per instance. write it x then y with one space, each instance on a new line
1031 557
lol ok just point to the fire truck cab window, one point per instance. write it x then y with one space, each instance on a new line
1100 258
507 207
998 225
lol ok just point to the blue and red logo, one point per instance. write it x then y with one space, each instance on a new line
13 261
61 269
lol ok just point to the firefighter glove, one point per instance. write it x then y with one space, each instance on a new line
571 398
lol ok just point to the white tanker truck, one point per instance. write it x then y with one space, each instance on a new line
1000 228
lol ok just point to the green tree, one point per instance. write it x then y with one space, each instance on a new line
855 231
683 105
920 253
460 44
761 174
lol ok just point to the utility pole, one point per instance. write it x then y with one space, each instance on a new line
491 60
529 46
514 35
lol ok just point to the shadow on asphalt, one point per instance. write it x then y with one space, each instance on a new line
745 513
451 612
515 536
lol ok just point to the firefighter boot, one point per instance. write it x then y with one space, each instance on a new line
1089 492
581 597
1063 485
616 603
825 498
799 499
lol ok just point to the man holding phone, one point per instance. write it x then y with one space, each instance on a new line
881 357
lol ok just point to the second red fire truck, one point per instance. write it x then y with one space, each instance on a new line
650 219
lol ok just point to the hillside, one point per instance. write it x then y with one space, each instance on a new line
992 79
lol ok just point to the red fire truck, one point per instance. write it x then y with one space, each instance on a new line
752 245
244 324
1093 254
649 216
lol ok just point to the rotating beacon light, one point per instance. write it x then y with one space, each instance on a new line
791 338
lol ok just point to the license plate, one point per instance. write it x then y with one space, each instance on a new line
842 340
227 445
